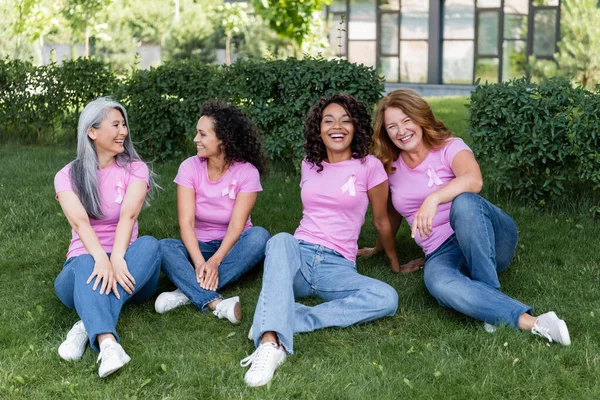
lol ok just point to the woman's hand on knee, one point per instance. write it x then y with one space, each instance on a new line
104 274
207 274
122 275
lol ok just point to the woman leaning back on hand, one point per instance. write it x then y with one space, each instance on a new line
434 180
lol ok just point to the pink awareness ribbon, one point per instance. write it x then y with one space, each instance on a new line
349 186
433 178
230 190
120 192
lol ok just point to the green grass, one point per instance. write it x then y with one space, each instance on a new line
423 352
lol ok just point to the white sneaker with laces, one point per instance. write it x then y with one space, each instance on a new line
112 357
229 308
549 326
265 360
74 345
167 301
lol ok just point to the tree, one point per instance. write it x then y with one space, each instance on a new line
579 49
290 19
234 18
81 15
34 18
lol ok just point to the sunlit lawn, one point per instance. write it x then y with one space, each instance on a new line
424 351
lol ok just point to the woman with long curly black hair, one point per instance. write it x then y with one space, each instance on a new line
339 180
216 191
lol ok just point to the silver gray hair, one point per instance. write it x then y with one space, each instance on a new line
83 170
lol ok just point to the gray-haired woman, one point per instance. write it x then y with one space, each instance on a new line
101 194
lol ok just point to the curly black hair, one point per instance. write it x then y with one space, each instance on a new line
241 140
361 120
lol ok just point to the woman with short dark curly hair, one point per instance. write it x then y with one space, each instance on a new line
339 180
216 191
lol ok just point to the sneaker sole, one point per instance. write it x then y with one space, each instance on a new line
237 312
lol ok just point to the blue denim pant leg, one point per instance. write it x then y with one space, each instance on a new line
100 313
486 235
296 269
247 252
447 279
349 297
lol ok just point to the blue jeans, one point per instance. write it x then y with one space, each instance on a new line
243 256
100 312
462 273
299 269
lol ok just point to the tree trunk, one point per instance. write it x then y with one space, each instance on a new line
228 50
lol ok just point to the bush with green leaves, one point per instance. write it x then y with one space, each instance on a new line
41 104
277 94
164 103
536 140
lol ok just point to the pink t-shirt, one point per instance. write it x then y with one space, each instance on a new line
410 188
335 202
112 186
215 200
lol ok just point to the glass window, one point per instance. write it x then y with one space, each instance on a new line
362 53
544 32
388 43
457 62
413 57
487 70
548 68
545 2
362 20
515 26
488 3
389 68
414 22
487 33
459 20
338 6
337 35
389 5
514 59
516 6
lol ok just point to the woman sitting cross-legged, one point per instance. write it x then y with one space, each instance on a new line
339 180
101 194
216 191
434 180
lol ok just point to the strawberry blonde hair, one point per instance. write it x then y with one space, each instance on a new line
435 132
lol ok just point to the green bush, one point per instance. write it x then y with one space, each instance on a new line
537 140
41 104
276 95
164 103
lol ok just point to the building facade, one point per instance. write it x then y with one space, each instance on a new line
445 41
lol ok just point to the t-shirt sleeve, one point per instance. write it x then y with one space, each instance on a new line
250 179
375 172
140 172
62 180
304 168
186 174
450 151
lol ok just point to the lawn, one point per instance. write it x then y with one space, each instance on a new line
424 351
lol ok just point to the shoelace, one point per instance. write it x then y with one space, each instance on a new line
259 358
542 331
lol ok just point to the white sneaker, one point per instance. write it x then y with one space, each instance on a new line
489 328
167 301
251 334
229 308
111 358
549 326
265 360
74 345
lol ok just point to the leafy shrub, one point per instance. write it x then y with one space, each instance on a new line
536 140
164 103
276 95
41 104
